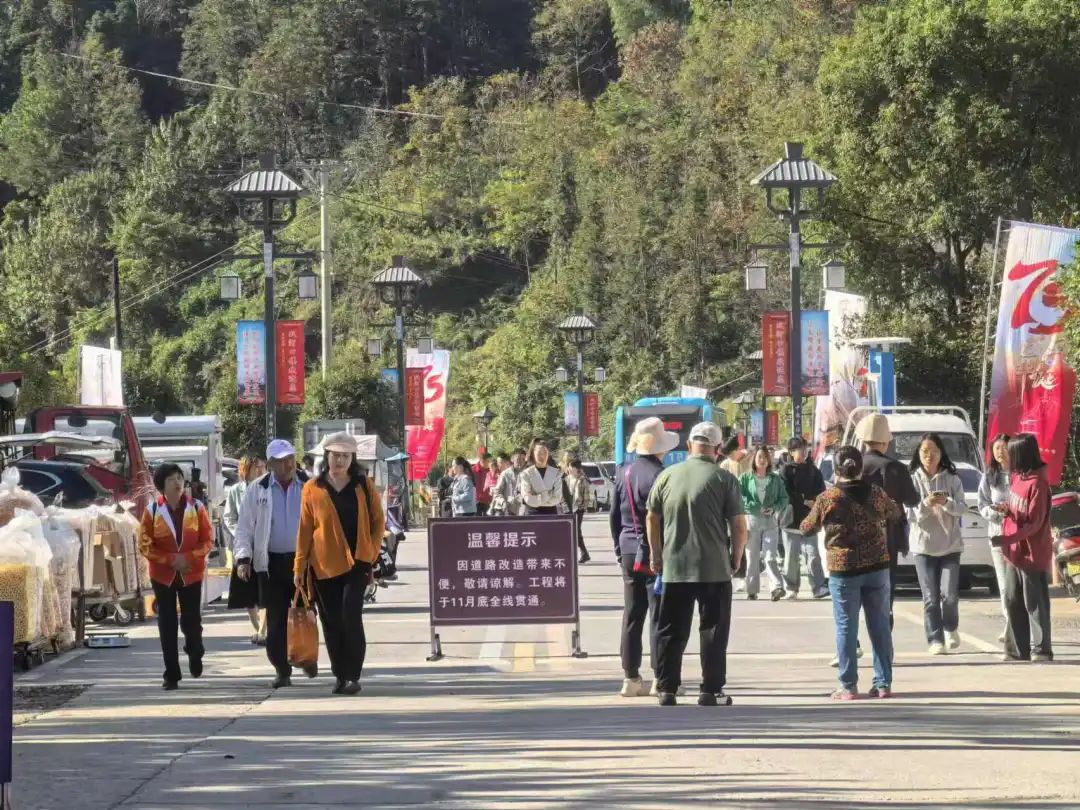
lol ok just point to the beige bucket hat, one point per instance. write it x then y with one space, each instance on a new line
650 439
873 428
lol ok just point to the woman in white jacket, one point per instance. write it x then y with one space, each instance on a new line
251 468
993 504
541 482
936 541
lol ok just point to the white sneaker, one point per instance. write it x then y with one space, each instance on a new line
792 595
937 648
632 688
952 640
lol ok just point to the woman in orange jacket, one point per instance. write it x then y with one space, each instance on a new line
341 529
175 537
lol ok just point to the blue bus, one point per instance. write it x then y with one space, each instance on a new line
678 414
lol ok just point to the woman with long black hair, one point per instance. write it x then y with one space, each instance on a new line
1027 545
341 529
937 542
993 504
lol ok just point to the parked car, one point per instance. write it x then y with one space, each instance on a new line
69 477
908 424
602 487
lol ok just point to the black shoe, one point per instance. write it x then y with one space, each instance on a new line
584 558
195 667
822 594
281 681
668 699
169 685
706 699
751 597
339 688
351 688
311 670
778 594
722 699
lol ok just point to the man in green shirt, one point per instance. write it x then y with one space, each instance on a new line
697 535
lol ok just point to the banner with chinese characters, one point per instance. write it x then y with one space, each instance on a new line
520 570
250 362
772 428
414 396
1033 385
424 441
815 353
776 353
592 413
290 362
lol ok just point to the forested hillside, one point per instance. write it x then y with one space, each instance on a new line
528 157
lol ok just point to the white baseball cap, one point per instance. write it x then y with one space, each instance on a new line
279 448
707 433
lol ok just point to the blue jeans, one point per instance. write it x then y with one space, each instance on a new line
871 592
939 579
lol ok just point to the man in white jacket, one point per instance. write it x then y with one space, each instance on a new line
266 546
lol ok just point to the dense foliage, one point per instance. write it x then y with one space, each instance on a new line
529 157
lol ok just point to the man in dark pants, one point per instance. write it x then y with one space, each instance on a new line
693 508
893 477
633 483
266 546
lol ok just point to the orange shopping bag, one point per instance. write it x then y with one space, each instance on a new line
303 632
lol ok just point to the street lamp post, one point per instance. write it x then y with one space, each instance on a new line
397 287
795 174
483 423
580 330
265 190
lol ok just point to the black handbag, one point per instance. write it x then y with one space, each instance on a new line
243 595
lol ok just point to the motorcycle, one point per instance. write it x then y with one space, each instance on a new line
1065 520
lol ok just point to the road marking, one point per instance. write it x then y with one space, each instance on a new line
524 657
494 638
974 641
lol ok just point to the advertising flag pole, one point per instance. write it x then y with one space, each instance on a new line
986 336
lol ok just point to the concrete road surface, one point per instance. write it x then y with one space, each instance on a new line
509 720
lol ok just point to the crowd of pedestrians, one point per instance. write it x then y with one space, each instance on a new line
686 537
682 533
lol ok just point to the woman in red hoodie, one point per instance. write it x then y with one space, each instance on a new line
1027 547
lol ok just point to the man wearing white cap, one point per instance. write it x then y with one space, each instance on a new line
697 536
266 545
633 484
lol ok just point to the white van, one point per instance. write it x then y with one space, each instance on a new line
192 442
908 425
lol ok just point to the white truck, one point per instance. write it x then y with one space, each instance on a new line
192 443
908 425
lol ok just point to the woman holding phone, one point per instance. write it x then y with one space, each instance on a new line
993 505
936 541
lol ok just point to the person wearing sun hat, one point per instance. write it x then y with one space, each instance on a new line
892 476
694 508
633 483
341 529
265 547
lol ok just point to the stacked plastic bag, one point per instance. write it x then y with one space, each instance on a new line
64 543
25 579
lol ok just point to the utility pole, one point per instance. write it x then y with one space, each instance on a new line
325 266
118 328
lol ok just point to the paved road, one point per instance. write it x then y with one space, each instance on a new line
510 720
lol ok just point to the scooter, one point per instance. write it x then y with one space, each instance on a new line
1067 559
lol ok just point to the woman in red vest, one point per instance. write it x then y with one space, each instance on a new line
175 537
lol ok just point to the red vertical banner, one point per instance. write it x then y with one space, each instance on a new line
592 413
776 354
772 428
414 396
290 362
